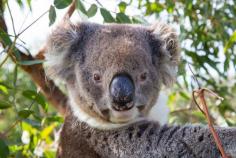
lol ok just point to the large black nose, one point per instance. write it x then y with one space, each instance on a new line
122 89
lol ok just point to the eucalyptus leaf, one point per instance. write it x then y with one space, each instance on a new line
60 4
30 62
5 105
5 37
80 6
122 18
4 150
25 113
106 15
122 6
92 10
52 15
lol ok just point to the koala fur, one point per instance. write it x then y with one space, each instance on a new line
87 57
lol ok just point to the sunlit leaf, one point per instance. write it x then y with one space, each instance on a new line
47 131
106 15
92 10
3 89
29 4
122 7
52 15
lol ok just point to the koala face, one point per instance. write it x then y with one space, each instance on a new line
113 72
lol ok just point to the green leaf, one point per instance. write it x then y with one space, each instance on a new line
92 10
60 4
47 131
52 15
4 105
3 89
122 18
32 95
122 7
5 38
31 62
184 95
20 3
51 119
29 3
230 42
80 6
138 20
25 113
106 15
4 150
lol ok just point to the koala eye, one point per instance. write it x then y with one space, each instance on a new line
96 77
143 76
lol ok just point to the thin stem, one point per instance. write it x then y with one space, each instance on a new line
194 76
9 50
213 131
71 10
24 21
204 109
99 3
33 23
12 21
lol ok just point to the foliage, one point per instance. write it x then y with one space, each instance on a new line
207 34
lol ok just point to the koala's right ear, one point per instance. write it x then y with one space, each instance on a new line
60 54
165 45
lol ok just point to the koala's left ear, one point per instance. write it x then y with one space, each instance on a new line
166 53
64 49
58 64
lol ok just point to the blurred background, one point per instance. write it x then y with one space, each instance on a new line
29 125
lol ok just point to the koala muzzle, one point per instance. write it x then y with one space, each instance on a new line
122 92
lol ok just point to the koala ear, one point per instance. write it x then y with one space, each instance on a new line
166 52
61 49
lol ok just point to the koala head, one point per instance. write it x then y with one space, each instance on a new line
113 72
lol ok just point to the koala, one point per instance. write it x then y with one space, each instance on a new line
113 74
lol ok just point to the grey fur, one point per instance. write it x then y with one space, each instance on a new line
92 128
144 139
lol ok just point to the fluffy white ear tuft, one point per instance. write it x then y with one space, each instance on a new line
169 51
58 46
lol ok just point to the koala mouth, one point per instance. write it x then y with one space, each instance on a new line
123 107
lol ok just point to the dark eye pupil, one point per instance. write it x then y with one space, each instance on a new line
143 76
96 77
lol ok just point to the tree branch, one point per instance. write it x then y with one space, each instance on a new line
52 93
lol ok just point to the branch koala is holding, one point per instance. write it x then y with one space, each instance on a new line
113 74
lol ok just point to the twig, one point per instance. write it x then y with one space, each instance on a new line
9 52
52 93
70 11
68 14
99 3
194 76
12 21
205 111
32 23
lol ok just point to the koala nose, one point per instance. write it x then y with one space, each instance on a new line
122 89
